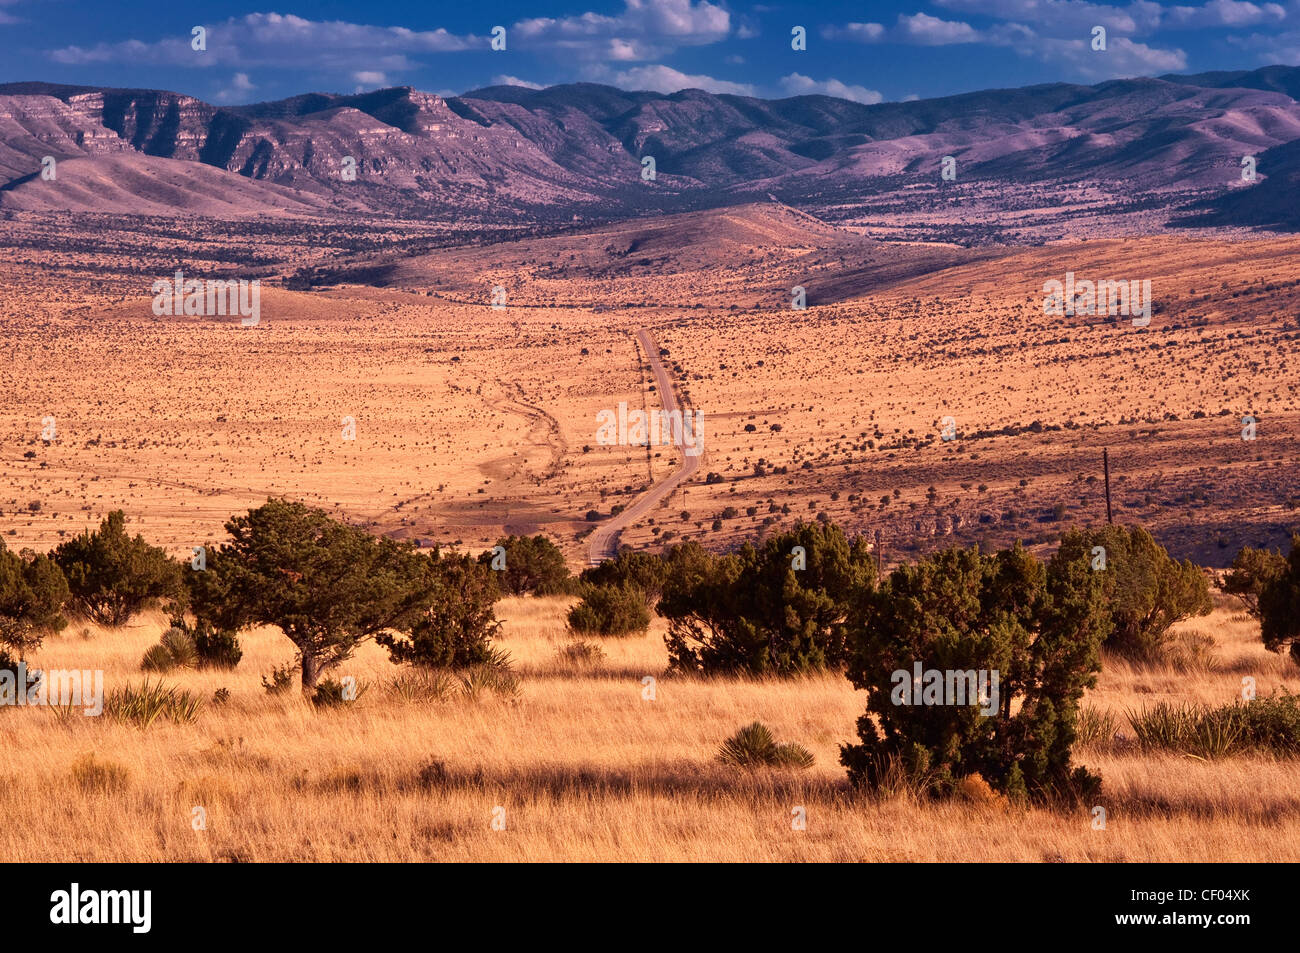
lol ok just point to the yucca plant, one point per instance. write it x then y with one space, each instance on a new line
142 706
175 650
754 746
1095 727
424 685
497 678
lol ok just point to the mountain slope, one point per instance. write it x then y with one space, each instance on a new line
508 154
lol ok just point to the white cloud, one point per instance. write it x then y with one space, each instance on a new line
925 30
1229 13
796 84
280 40
859 32
665 79
239 88
1121 58
506 80
646 29
370 77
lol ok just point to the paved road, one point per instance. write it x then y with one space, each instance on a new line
603 543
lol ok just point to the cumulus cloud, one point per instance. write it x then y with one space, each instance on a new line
1123 57
923 29
1064 17
665 79
645 29
796 84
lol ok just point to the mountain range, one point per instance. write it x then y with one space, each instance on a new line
1170 148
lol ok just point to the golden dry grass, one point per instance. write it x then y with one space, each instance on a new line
587 769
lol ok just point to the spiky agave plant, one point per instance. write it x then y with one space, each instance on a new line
754 746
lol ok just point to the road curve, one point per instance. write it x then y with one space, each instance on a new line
603 543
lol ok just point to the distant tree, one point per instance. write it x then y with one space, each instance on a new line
1279 606
326 585
112 576
455 626
33 593
1251 572
1147 590
766 611
533 564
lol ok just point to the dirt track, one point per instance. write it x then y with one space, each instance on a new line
603 543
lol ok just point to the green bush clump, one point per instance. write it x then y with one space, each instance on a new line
1145 589
754 746
533 564
775 610
610 610
112 576
1038 627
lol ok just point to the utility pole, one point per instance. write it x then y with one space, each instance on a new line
1105 463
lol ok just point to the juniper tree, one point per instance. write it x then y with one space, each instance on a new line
326 585
32 596
112 576
768 610
1279 606
957 611
1146 590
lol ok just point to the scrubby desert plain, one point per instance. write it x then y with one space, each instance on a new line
472 421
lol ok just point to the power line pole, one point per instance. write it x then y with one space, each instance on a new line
1105 463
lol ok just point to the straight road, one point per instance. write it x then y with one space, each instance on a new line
603 543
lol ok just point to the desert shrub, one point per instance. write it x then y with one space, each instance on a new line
534 564
175 650
217 648
754 746
610 610
142 705
221 696
753 613
1279 606
112 576
99 777
644 571
33 592
960 612
1146 590
457 624
1251 572
333 694
1268 725
1095 727
281 679
496 676
581 653
424 685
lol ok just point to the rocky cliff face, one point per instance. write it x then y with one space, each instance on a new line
551 154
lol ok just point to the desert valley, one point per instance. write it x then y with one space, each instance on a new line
864 342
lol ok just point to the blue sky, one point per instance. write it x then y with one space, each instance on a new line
869 52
